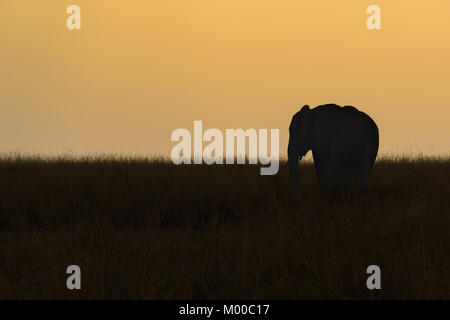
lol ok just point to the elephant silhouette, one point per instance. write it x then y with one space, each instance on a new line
344 143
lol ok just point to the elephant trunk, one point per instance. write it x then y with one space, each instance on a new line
293 159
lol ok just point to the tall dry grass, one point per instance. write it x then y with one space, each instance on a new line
142 228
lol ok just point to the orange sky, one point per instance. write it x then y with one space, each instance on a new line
140 69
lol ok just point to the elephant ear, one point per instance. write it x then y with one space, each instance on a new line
305 127
305 108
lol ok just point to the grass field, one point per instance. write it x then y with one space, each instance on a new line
149 229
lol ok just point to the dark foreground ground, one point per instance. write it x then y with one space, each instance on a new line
149 229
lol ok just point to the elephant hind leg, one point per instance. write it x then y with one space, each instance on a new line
363 176
337 185
361 184
365 167
327 185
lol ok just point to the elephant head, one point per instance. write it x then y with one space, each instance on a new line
299 143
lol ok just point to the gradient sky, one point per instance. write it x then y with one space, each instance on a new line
139 69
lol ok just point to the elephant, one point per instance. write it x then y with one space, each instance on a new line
344 143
